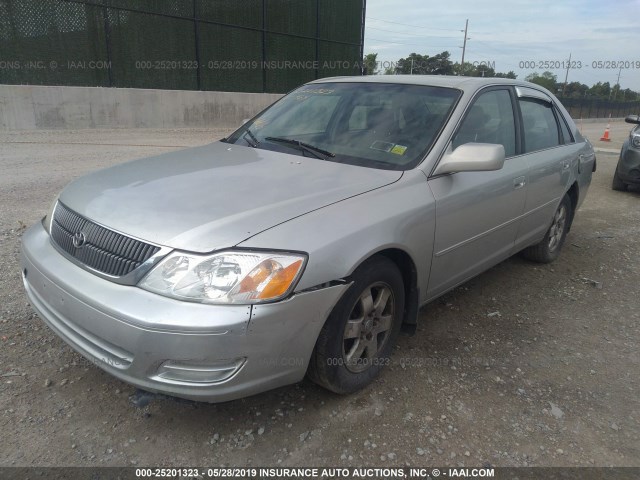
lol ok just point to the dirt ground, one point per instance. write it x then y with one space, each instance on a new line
524 365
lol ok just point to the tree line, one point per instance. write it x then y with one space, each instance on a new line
441 64
600 90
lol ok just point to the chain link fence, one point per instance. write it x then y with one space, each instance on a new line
599 108
222 45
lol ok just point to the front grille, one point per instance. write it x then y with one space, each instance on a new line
99 248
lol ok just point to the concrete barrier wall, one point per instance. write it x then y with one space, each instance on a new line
34 107
598 120
30 107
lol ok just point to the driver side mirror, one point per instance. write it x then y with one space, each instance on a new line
633 119
472 157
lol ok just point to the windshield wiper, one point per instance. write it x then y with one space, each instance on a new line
254 141
313 150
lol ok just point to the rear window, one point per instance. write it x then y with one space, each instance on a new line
540 126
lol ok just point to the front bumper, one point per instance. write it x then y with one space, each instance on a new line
629 164
201 352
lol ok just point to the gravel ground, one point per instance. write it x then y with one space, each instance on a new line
524 365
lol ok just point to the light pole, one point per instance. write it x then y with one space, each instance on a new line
464 46
618 84
566 77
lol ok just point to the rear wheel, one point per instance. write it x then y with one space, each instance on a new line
356 341
618 184
549 248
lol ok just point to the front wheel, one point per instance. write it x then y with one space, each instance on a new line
617 183
549 248
357 338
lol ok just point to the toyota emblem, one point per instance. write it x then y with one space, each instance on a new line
79 239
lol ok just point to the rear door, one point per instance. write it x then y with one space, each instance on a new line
478 213
552 154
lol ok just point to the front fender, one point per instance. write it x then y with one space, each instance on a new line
339 237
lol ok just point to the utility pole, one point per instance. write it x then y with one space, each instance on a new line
464 46
617 83
566 77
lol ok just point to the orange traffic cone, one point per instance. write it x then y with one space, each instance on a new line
605 137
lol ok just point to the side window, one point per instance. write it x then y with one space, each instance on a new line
489 120
540 125
566 134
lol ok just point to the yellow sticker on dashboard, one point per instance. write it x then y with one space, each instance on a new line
399 149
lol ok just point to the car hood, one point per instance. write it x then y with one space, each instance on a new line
215 196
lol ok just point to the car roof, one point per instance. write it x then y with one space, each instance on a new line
462 83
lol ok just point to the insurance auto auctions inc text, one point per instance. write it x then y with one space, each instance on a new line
371 473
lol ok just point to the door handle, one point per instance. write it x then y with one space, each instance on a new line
519 182
582 158
565 164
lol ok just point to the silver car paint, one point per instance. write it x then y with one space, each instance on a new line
341 236
130 332
476 228
339 214
232 193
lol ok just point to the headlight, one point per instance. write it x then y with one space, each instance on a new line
635 141
48 218
236 277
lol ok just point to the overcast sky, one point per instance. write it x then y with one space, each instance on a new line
508 33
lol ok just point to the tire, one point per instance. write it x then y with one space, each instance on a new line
357 339
549 248
618 184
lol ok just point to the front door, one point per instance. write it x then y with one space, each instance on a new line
478 213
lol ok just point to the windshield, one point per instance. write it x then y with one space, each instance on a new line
389 126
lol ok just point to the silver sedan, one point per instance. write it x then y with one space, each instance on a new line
307 239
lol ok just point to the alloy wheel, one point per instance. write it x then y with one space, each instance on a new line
368 327
557 228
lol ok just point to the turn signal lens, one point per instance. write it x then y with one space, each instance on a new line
281 280
257 276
